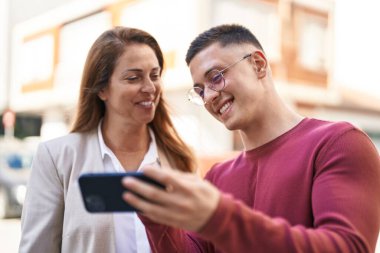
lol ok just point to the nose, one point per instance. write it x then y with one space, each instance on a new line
149 86
210 95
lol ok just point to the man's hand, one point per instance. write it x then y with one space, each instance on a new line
187 202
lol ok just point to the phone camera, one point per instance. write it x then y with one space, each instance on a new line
95 203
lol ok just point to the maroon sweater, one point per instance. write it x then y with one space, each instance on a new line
315 188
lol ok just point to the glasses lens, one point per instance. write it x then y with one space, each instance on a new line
195 95
216 80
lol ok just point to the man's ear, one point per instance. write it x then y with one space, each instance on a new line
260 64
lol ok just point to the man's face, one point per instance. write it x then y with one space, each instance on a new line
240 101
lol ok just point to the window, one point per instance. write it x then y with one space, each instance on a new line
261 17
37 60
308 54
75 41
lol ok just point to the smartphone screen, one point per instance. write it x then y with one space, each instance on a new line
102 192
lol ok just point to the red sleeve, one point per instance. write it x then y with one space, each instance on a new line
345 201
345 207
170 240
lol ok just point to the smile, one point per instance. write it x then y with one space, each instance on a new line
225 107
146 103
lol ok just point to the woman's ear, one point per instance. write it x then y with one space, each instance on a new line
102 94
260 64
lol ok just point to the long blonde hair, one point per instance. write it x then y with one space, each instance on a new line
99 66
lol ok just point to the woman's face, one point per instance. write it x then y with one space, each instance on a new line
134 89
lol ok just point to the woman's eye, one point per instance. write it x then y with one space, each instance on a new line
132 78
155 77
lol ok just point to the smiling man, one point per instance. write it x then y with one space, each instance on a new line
300 185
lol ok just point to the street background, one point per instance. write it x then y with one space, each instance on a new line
9 235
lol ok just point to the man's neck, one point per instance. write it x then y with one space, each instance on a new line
273 124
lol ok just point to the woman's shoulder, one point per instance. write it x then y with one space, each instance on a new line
70 140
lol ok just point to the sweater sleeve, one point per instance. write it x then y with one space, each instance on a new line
171 240
345 207
42 215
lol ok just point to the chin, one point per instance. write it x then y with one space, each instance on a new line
230 125
147 120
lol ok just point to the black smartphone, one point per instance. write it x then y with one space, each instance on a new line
102 192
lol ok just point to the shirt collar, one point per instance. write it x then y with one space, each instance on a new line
151 156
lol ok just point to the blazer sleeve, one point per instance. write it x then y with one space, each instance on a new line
42 215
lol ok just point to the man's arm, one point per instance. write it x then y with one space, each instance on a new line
345 207
172 240
193 213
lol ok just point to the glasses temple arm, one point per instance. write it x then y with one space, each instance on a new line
231 65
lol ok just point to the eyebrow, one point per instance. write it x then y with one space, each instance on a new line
139 70
132 70
208 71
197 85
211 69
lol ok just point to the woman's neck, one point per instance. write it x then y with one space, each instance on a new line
126 139
129 144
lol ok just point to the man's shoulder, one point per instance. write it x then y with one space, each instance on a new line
223 167
326 124
320 127
321 134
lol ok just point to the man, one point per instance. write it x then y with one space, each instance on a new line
300 185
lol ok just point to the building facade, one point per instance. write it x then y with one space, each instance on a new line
48 53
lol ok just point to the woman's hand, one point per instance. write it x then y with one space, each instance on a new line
187 202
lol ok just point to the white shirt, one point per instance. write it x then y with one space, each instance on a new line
130 235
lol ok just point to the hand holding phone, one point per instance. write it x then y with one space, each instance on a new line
102 192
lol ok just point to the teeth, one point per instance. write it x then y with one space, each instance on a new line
225 107
146 103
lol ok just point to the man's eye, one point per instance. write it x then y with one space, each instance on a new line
202 93
217 78
199 91
214 77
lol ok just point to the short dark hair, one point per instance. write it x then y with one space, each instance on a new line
225 35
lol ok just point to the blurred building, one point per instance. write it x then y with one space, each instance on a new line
299 37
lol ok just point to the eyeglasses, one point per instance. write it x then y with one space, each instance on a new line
214 81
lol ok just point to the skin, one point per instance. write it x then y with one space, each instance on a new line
188 201
256 110
253 108
131 98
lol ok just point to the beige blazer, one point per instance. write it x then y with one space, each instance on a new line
54 218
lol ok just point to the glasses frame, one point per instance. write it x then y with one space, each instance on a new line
193 95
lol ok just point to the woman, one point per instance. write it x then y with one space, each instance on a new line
122 124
